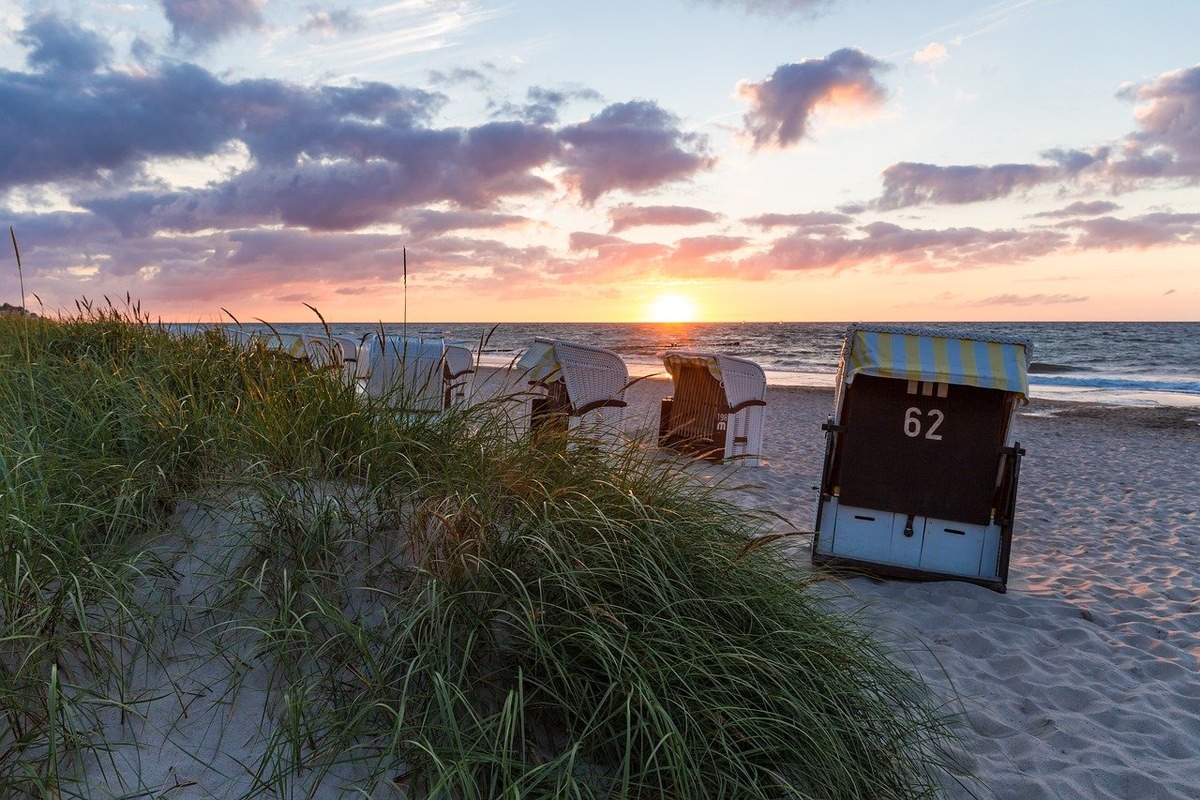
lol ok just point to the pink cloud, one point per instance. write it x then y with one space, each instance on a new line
627 216
781 106
1030 299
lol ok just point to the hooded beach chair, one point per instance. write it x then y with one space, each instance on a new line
717 409
244 339
338 353
575 386
288 343
460 365
409 371
920 473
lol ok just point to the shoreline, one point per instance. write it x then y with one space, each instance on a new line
1050 397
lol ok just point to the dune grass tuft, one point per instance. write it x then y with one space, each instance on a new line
417 605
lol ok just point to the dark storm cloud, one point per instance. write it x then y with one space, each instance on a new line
782 106
207 21
58 45
626 216
633 146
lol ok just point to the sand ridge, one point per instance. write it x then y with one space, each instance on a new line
1079 682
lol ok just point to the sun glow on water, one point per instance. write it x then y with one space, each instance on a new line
671 308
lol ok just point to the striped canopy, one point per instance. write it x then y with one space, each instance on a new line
937 356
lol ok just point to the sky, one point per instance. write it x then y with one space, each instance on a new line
570 160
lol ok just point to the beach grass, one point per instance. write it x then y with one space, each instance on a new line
415 605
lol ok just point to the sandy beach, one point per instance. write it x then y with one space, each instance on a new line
1081 681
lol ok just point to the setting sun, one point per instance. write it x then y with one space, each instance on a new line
671 308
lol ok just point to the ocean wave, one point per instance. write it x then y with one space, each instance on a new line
1045 368
1141 384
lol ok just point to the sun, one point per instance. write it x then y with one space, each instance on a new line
671 308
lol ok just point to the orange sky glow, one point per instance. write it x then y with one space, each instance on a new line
725 160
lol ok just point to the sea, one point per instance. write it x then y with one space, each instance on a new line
1111 363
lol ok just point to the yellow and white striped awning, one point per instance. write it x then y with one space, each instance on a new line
936 356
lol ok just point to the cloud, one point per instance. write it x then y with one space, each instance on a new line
1081 209
542 105
909 184
425 224
584 240
1030 300
882 244
705 246
207 21
781 107
391 171
71 127
817 219
1164 147
332 23
627 216
806 8
634 145
608 259
461 76
1149 230
59 45
311 160
1169 119
325 157
932 54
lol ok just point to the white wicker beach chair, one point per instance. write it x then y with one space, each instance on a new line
410 371
288 343
460 366
717 410
333 353
244 339
576 387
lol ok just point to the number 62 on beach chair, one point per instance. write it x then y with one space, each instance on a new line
920 472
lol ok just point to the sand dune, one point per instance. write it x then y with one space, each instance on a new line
1080 682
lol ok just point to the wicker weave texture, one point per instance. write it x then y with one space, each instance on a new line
592 374
414 368
696 377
